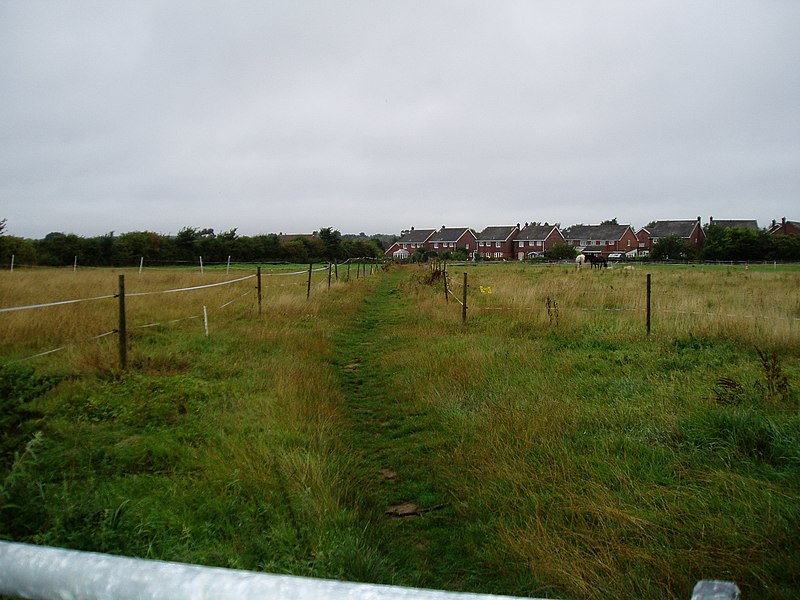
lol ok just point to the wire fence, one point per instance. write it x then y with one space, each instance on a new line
121 330
476 299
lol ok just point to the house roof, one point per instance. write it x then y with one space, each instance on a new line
784 224
536 232
497 234
449 234
416 235
680 229
741 223
606 231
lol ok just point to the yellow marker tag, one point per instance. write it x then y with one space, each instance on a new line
486 290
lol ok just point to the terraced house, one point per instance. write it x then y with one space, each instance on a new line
689 232
535 240
602 239
497 243
450 239
410 241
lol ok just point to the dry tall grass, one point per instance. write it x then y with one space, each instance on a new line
27 332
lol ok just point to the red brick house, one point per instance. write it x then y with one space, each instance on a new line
734 223
497 243
690 232
784 227
408 243
450 239
601 239
535 240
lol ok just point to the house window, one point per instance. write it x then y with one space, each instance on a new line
629 243
539 244
435 244
497 244
597 242
498 254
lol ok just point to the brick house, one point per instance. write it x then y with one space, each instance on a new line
734 223
601 239
690 232
450 239
784 227
534 240
497 243
408 243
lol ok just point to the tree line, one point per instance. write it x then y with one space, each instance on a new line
127 249
730 243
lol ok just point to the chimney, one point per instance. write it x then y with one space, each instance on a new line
698 220
710 220
783 221
773 222
517 225
412 228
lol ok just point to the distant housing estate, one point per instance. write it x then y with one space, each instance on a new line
515 242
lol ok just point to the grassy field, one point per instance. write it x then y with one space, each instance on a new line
548 447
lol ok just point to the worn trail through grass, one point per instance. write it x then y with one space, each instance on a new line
398 443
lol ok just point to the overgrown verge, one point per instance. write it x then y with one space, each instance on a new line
220 451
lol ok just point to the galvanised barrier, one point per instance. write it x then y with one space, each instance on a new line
44 573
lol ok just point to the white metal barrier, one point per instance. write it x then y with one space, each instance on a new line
46 573
43 573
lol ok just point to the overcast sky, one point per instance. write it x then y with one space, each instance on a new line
371 115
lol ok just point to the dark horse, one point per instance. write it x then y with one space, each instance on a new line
597 261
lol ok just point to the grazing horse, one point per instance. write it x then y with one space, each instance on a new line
598 261
579 260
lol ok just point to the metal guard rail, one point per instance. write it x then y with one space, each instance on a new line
44 573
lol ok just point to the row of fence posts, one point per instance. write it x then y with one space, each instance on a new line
333 271
441 267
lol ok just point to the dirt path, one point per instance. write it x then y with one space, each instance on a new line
409 515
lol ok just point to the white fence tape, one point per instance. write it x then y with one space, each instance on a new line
188 289
91 339
13 308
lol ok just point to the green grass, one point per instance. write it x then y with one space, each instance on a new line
567 457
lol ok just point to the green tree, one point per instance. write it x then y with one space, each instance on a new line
672 248
332 241
60 249
735 243
561 252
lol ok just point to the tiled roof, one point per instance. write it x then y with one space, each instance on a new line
448 234
731 223
535 232
416 235
496 234
680 229
607 231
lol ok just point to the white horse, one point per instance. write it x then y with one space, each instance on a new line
579 260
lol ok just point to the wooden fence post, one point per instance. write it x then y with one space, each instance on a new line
348 272
336 269
444 278
123 329
464 307
648 304
330 273
258 286
308 290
